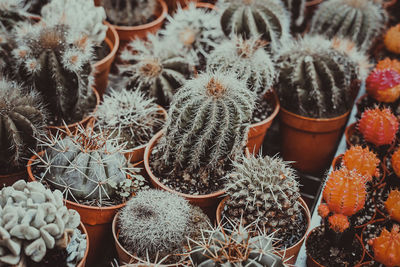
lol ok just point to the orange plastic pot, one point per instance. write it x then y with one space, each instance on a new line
290 254
102 67
82 263
310 143
10 179
258 131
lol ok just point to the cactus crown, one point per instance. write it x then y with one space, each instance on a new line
129 12
362 160
358 20
384 85
378 126
392 205
395 160
392 39
386 247
248 60
338 223
388 63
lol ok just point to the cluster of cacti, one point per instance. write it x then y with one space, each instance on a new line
378 126
246 58
11 13
56 61
22 120
358 20
386 247
155 224
297 9
363 161
154 68
35 220
129 12
388 63
392 205
392 39
264 19
395 161
384 85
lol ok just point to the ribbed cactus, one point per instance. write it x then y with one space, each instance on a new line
386 247
34 6
392 39
384 85
362 160
11 13
392 205
248 60
338 223
265 19
388 63
22 121
129 12
154 68
297 9
265 190
358 20
56 61
395 161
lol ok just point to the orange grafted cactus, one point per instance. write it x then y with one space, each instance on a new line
323 210
362 160
338 223
388 63
384 85
378 126
396 162
392 205
345 192
386 247
392 39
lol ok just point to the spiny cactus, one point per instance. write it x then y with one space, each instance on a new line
154 68
56 61
378 126
386 247
395 161
388 63
338 223
316 75
11 13
297 9
129 12
129 115
384 85
358 20
263 189
362 160
264 19
392 39
23 119
35 220
392 205
156 223
248 60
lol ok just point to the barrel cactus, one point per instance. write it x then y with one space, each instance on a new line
11 13
129 12
297 9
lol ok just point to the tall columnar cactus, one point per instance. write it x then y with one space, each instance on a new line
395 160
362 160
263 189
248 60
392 205
56 61
384 85
392 39
386 247
388 63
358 20
154 68
11 13
265 19
22 120
129 12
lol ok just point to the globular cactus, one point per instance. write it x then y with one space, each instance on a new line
129 115
76 248
363 161
392 205
297 9
338 223
384 85
129 12
264 19
34 220
345 192
378 126
23 120
154 68
56 61
395 161
358 20
155 224
388 63
248 60
12 12
386 247
263 190
392 39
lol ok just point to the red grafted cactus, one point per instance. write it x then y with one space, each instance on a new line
362 160
388 63
378 126
392 205
384 85
392 39
338 223
396 162
345 192
386 247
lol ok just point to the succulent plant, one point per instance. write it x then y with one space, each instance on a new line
378 126
248 60
338 223
386 247
392 205
388 63
22 119
384 85
11 13
156 223
129 12
34 220
129 115
264 19
154 68
358 20
395 161
362 160
392 39
297 9
76 248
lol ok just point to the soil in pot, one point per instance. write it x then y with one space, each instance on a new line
366 215
101 51
380 195
54 257
264 108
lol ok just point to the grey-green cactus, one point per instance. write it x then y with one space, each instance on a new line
34 6
22 119
297 9
34 220
154 68
76 248
358 20
11 13
130 12
264 19
248 60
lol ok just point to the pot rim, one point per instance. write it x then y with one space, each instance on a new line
114 50
275 98
315 119
313 3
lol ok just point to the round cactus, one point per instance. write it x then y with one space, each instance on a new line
392 205
361 160
386 247
395 160
384 85
378 126
388 63
392 39
338 223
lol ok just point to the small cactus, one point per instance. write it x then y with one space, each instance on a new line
378 126
388 63
386 247
384 85
323 210
358 20
395 160
338 223
362 160
392 205
392 39
129 12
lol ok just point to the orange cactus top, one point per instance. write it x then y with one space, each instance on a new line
386 247
384 85
392 205
323 210
396 162
392 39
362 160
338 223
388 63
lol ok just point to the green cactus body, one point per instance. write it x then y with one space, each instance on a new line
129 12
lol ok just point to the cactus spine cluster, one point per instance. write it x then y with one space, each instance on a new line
362 160
386 247
384 85
392 205
392 39
395 160
129 12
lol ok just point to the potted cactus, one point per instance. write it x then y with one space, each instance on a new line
386 247
386 199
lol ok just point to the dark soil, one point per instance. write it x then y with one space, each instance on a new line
263 110
369 103
150 19
54 258
391 178
366 214
374 230
7 169
320 248
380 196
101 51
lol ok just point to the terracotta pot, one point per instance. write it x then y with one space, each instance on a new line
258 130
289 254
389 3
82 263
310 143
350 130
102 67
205 5
10 179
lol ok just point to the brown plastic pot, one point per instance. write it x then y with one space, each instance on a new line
289 254
310 143
258 131
10 179
102 67
82 263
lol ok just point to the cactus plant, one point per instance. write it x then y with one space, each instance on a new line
34 6
388 63
129 12
35 220
386 247
11 13
392 39
154 68
264 19
378 126
358 20
395 161
362 160
338 223
384 85
248 60
392 205
297 9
